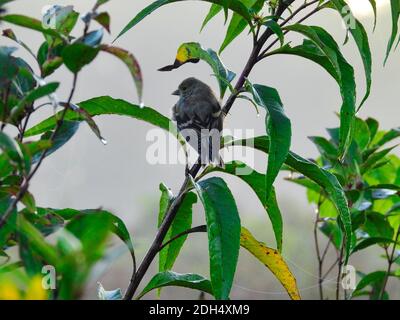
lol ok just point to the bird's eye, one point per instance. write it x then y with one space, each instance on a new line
183 88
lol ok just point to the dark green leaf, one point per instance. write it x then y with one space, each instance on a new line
223 228
373 126
342 72
238 23
377 226
388 136
214 10
257 182
170 278
63 135
275 28
325 148
105 105
370 242
395 9
30 23
182 222
278 128
361 39
77 55
370 279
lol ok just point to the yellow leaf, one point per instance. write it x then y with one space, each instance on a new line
272 260
35 290
183 54
9 291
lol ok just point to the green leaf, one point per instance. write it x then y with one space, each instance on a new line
37 244
257 182
272 260
325 147
42 91
214 10
362 135
8 229
182 222
105 105
320 176
278 128
169 278
30 23
275 28
388 137
117 227
130 61
373 127
373 5
361 39
395 9
377 226
371 279
193 52
331 230
89 120
49 58
370 242
342 72
103 18
238 23
223 228
77 55
234 5
66 131
373 159
92 230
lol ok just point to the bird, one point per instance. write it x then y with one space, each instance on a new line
199 119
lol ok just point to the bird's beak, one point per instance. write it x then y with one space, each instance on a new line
176 93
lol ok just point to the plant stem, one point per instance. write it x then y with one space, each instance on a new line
319 258
202 228
391 260
340 264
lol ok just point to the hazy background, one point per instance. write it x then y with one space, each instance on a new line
86 174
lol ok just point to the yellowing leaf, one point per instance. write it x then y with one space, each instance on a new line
9 291
193 52
272 260
35 290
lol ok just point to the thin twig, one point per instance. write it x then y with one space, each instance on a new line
202 228
264 53
391 260
338 278
330 269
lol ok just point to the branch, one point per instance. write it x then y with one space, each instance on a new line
202 228
306 5
390 263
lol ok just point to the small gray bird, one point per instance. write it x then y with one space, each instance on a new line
199 119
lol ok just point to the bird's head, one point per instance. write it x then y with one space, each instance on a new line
190 86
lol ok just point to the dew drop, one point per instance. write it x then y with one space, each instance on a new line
103 141
141 105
